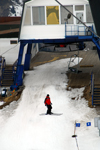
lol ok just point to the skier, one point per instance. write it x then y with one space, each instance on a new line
48 104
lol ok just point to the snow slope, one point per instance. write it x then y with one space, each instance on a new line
23 128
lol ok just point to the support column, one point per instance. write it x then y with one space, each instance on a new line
20 69
28 57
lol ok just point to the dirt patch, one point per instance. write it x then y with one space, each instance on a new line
13 96
79 81
73 98
87 95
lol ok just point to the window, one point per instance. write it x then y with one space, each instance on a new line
80 16
27 20
13 42
89 18
65 14
79 7
38 15
52 13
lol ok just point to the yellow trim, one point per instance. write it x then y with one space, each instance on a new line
54 59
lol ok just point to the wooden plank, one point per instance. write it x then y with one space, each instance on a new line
9 31
83 66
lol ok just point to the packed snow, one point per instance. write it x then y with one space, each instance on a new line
22 127
16 8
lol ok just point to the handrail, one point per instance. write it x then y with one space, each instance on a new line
92 86
15 65
14 69
2 67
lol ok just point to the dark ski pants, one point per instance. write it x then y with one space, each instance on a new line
49 107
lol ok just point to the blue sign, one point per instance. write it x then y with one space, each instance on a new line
77 124
88 123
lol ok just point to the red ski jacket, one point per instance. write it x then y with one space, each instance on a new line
47 101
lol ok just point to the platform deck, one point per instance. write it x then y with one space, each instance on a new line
90 62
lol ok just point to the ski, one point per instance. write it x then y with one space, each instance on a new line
56 114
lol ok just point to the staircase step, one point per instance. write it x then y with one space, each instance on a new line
7 76
7 72
97 92
7 84
10 83
96 103
96 98
8 69
5 80
96 88
96 84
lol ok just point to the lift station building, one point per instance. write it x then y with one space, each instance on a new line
47 21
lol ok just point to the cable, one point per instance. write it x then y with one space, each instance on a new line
9 49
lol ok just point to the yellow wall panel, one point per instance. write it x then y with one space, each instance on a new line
52 14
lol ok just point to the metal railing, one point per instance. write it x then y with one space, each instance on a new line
77 30
92 86
2 67
14 69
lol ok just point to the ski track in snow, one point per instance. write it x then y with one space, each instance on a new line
22 127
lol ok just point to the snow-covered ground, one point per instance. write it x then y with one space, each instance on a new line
23 128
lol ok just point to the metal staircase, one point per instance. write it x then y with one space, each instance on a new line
95 91
7 76
96 94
